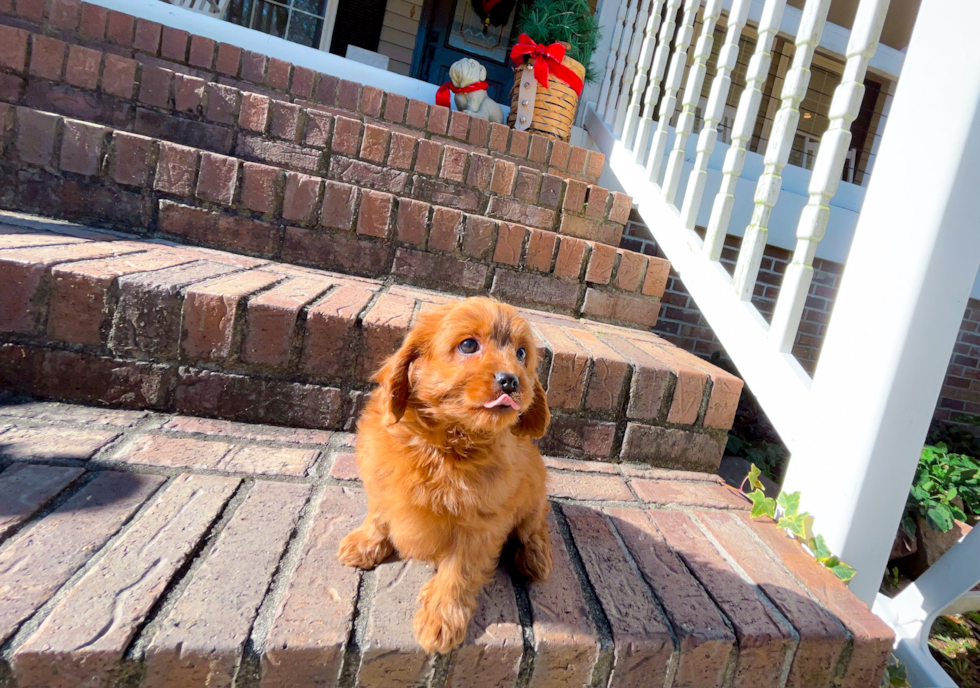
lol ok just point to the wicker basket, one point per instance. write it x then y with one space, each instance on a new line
554 107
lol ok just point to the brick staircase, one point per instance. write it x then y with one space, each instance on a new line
206 253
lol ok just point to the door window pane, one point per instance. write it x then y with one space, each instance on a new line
300 21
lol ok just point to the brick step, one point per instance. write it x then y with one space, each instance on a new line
434 161
660 577
73 170
97 317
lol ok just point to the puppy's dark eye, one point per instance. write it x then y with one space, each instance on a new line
469 346
521 354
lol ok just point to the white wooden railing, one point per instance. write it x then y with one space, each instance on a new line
855 429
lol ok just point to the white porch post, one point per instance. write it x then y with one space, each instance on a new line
905 286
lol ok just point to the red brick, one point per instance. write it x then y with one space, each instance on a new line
689 388
619 212
600 264
551 190
595 164
93 21
427 161
370 104
47 57
726 389
417 114
575 196
82 69
526 187
64 14
478 237
651 383
607 381
447 224
402 153
374 146
672 447
80 293
459 125
259 184
176 169
223 103
59 545
438 121
201 52
309 631
346 136
632 267
504 174
566 644
656 278
301 197
705 643
53 443
590 488
384 326
436 270
479 132
202 638
539 148
155 86
254 66
519 142
577 159
641 636
318 126
453 163
26 488
598 198
189 94
515 211
635 310
271 318
218 178
412 221
257 400
571 255
594 230
349 95
130 158
120 30
510 243
569 368
244 431
580 466
285 121
395 108
330 326
52 411
13 48
333 251
118 74
278 75
821 638
302 84
676 493
327 89
209 311
872 638
763 638
36 134
81 147
344 467
338 205
374 215
541 250
480 171
228 60
577 437
559 155
57 655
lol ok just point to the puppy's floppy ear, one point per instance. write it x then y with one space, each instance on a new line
533 423
393 377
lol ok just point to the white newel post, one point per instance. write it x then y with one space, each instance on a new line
908 276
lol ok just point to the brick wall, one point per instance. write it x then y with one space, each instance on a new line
682 323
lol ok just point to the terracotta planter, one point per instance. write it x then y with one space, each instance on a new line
554 107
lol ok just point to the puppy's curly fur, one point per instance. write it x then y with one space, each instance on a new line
449 475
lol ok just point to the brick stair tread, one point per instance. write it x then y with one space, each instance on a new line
136 183
168 506
149 323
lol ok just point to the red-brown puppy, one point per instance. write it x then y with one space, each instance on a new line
443 449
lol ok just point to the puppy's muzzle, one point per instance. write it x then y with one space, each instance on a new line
507 382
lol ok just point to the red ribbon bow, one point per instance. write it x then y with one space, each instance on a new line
547 60
442 95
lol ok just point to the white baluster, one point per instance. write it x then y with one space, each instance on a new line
745 117
631 68
692 94
618 83
642 73
827 172
604 90
678 63
727 58
777 151
657 70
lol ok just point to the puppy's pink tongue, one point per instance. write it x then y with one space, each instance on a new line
503 400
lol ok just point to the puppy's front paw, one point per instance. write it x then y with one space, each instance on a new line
362 550
533 558
440 622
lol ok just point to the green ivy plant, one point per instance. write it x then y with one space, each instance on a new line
770 458
800 524
896 675
946 488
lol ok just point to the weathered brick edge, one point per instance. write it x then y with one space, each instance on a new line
96 317
668 542
75 170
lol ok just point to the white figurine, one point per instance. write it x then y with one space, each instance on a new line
476 103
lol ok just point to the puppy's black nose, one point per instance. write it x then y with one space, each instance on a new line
509 383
